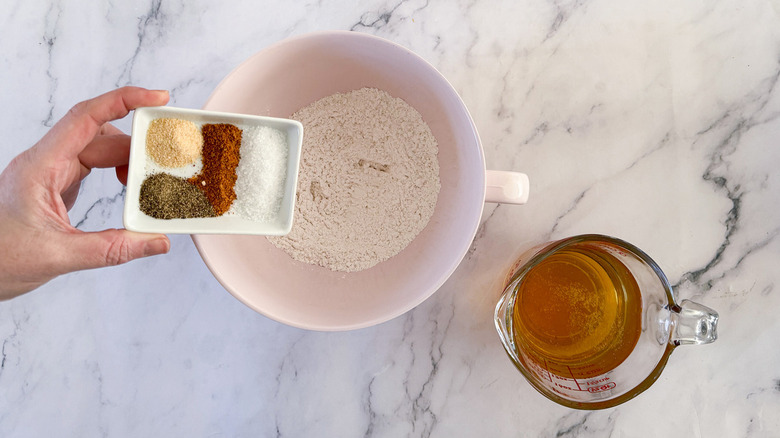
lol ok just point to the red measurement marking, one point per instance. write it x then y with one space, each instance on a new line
574 378
546 368
602 388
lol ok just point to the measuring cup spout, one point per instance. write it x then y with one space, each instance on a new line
693 323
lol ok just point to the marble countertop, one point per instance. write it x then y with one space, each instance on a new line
655 122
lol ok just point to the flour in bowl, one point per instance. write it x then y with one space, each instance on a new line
368 181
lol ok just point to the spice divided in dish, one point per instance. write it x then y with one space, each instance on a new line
212 170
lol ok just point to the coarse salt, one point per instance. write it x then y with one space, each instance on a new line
262 172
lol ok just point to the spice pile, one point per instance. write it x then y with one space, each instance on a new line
197 172
221 152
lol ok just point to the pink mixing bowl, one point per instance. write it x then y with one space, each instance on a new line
295 72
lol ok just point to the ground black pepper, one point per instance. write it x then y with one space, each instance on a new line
164 196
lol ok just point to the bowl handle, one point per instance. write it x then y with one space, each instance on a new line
506 187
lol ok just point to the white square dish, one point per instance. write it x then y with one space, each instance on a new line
229 223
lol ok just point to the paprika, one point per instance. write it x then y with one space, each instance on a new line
221 154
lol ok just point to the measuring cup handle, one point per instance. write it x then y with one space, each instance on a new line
506 187
693 324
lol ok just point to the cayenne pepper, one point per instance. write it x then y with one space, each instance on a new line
221 153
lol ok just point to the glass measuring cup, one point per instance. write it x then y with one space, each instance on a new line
590 321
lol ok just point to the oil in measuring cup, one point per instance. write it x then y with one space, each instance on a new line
578 313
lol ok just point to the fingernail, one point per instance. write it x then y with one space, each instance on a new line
156 246
164 93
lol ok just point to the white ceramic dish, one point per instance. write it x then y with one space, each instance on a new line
138 168
291 74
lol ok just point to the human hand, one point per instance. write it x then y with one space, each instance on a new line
37 241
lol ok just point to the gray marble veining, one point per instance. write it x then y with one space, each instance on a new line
654 122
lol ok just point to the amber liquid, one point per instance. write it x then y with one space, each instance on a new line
578 313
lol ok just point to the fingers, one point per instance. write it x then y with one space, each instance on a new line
110 248
85 120
111 148
109 129
121 174
106 151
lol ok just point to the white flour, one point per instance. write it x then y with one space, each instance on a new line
368 181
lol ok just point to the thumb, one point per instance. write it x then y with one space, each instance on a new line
112 247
